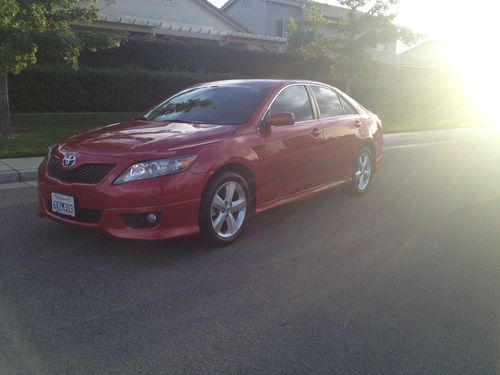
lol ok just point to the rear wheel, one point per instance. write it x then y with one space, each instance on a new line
362 171
224 209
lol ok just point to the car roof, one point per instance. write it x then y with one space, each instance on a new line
259 82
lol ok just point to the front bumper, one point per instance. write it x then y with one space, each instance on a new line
100 207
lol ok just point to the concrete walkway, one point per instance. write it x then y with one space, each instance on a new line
19 170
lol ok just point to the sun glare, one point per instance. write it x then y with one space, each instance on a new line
475 56
478 71
470 31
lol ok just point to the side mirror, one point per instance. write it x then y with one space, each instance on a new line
280 119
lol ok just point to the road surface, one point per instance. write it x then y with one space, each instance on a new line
404 280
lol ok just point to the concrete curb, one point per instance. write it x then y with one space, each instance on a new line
19 170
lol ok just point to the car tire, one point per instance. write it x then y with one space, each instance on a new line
225 209
363 169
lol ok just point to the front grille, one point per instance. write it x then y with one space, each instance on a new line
83 215
84 174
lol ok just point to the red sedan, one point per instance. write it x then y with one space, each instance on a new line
207 158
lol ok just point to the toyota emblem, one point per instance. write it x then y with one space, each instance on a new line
69 160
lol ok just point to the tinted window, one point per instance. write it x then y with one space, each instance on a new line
296 100
328 102
348 109
226 105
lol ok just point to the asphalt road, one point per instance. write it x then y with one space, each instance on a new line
404 280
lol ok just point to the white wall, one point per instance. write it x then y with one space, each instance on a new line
181 11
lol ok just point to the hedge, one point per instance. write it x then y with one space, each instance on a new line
141 73
418 99
61 89
204 57
415 88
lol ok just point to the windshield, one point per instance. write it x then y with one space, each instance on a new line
228 105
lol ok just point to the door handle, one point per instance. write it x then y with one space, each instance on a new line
358 123
316 132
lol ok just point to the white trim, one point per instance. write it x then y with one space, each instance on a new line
155 26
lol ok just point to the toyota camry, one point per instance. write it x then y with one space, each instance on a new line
208 158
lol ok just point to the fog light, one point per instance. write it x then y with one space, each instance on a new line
144 220
152 218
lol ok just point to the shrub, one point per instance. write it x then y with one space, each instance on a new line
196 57
417 96
141 73
61 89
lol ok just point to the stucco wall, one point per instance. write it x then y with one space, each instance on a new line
181 11
261 18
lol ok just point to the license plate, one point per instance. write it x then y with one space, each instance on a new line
63 204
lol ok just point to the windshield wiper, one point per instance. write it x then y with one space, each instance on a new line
185 121
144 118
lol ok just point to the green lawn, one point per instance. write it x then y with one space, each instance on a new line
34 132
397 119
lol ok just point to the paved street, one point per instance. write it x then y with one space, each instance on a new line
404 280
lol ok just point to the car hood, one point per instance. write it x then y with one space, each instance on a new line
138 137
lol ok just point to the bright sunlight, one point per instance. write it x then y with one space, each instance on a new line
469 31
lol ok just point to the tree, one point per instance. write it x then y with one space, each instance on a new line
347 41
31 27
305 37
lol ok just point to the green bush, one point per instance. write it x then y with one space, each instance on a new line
197 57
416 88
61 89
141 73
420 97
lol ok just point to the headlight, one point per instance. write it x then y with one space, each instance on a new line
155 168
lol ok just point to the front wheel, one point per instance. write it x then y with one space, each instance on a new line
362 171
224 209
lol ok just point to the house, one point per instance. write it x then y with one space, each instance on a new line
429 55
270 17
179 19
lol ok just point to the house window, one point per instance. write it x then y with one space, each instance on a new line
282 28
381 47
161 2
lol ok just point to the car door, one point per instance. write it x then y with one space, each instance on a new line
291 156
340 123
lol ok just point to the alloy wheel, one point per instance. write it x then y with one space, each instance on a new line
363 171
228 209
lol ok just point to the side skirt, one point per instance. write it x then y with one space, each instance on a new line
301 194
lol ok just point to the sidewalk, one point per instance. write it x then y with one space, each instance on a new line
21 171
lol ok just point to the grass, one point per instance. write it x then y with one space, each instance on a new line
397 119
34 132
